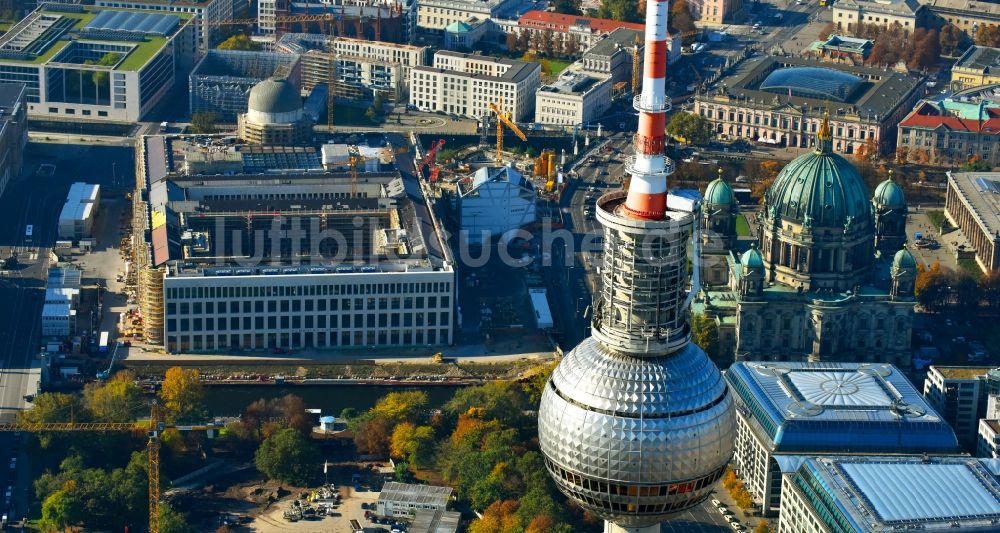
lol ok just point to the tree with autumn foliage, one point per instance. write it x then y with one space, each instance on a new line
183 395
867 152
988 35
681 21
950 38
931 287
827 31
768 172
414 444
902 153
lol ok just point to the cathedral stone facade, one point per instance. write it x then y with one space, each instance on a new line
826 278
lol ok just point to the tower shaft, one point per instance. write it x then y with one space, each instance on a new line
649 169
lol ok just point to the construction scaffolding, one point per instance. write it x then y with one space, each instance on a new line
151 303
220 83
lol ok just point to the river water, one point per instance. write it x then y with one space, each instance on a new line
231 400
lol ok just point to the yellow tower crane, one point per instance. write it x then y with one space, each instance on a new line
153 427
504 120
635 66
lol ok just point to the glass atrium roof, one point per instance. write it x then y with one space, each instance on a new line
812 82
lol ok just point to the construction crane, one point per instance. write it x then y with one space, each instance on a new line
429 159
504 120
153 427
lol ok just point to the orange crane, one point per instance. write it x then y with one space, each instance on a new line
431 159
153 427
503 119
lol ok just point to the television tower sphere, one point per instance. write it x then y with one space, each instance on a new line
636 423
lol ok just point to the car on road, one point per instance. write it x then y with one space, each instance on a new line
723 510
716 503
736 526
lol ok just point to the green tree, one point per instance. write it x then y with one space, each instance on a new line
239 42
288 456
976 164
413 443
623 10
568 7
400 406
202 123
705 333
62 509
690 127
498 400
183 395
172 521
116 400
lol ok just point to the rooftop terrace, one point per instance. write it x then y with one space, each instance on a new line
139 35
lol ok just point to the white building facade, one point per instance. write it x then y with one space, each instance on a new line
255 310
466 85
436 15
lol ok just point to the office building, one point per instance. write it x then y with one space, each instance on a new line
13 131
786 410
269 251
464 84
873 494
496 200
781 101
971 205
82 63
222 80
212 11
988 441
576 97
950 131
959 393
76 220
907 13
978 66
434 16
403 500
825 279
362 67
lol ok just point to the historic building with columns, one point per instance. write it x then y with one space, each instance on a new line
826 276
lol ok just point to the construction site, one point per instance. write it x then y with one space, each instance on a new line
220 83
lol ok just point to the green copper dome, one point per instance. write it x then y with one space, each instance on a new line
889 195
820 189
719 193
903 260
752 258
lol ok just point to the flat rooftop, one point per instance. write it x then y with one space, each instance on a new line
416 494
881 494
72 34
517 70
980 59
982 192
216 205
839 408
573 82
962 372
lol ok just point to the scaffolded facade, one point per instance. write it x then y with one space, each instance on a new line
222 80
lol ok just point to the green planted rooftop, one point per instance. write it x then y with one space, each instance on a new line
134 60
